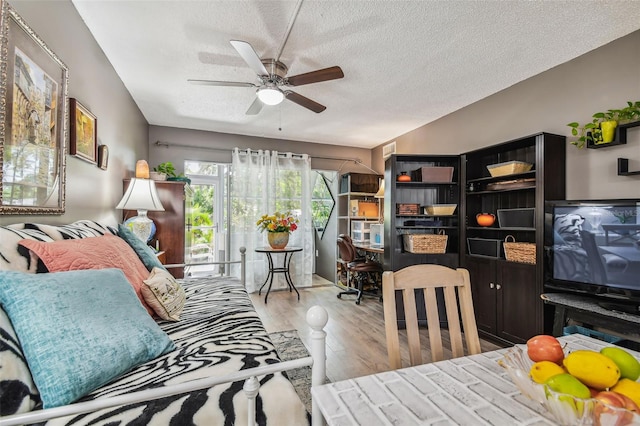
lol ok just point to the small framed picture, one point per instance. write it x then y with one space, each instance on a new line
84 132
103 157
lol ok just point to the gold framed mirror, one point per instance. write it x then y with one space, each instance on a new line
33 120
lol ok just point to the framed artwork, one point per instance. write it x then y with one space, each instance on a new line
103 157
33 120
83 142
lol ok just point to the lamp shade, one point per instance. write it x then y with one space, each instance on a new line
141 195
270 96
380 193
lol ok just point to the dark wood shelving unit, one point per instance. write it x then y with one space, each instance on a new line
421 193
507 294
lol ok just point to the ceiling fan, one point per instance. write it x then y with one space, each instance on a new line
272 87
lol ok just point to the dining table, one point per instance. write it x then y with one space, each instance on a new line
469 390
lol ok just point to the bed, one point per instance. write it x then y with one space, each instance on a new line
221 370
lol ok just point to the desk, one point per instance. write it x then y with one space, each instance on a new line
288 254
471 390
371 248
584 309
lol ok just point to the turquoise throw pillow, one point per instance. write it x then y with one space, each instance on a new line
144 252
79 330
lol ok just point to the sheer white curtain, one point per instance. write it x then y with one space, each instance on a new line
264 182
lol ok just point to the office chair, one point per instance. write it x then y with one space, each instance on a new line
429 277
358 269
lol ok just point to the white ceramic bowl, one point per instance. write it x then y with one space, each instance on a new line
566 409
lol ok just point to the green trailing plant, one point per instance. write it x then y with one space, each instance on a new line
166 168
592 132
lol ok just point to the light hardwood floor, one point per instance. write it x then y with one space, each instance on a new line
356 343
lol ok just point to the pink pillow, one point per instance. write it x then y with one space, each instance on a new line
107 251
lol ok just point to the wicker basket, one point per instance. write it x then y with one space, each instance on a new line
519 252
425 243
508 168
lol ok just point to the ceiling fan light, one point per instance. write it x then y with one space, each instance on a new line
270 96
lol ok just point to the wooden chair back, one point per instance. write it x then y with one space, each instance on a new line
429 278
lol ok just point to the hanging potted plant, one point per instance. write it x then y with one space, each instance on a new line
602 129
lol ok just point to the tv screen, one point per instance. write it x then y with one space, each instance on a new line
593 246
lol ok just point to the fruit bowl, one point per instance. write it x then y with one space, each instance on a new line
566 409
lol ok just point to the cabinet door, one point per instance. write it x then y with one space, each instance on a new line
519 302
483 287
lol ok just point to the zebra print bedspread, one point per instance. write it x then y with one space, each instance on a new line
219 333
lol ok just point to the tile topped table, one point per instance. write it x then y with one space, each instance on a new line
471 390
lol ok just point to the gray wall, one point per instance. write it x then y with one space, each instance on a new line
91 193
217 147
605 78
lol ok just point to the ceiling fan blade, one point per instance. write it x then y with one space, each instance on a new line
221 83
305 102
331 73
250 57
255 107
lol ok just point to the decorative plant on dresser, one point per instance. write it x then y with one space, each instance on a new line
510 180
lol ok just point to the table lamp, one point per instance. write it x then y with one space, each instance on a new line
142 196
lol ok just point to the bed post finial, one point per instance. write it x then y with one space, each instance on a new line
243 266
317 318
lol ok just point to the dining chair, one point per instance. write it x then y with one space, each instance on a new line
429 277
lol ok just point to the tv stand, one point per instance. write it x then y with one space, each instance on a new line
620 307
586 310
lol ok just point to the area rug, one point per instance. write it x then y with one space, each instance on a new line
289 346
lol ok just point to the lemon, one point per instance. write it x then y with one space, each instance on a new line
628 365
628 388
592 368
542 371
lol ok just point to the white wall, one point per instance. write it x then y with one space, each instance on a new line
91 193
605 78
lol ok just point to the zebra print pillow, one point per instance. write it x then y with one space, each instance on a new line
18 394
14 257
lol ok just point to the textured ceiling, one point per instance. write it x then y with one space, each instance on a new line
406 63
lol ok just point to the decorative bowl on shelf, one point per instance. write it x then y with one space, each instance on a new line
508 168
565 409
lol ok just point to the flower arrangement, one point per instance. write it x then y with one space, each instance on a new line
278 222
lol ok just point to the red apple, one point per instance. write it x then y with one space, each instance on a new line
611 398
616 409
545 348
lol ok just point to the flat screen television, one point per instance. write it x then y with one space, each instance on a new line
593 247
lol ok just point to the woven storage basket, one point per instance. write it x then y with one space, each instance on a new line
519 252
425 243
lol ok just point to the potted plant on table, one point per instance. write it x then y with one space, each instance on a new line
278 227
601 129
